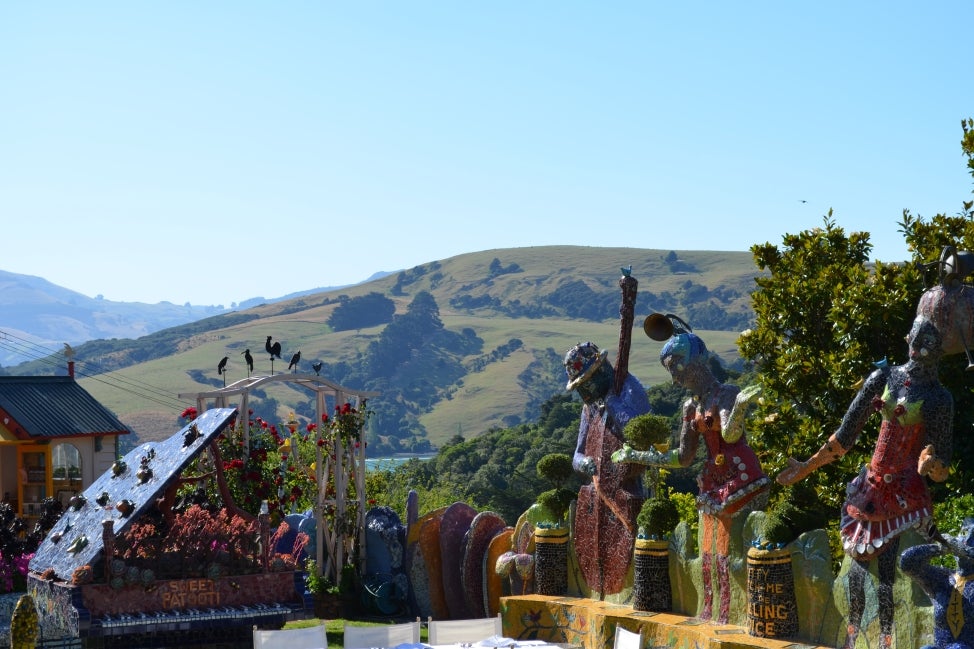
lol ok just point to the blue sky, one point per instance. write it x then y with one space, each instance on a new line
210 152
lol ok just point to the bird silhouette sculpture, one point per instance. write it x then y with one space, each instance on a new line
293 365
273 350
250 361
316 366
221 369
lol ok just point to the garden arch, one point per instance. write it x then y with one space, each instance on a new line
337 471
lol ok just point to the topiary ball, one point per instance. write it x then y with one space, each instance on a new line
644 431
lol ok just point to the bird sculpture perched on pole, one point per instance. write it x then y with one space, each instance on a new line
221 369
316 366
295 359
250 361
273 350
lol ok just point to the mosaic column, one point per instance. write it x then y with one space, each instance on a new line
771 608
551 561
651 576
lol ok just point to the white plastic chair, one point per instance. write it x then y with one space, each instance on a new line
453 631
312 637
386 635
626 639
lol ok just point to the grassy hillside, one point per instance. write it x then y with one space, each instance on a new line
495 394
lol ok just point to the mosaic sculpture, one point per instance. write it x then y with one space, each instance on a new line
731 481
890 494
951 591
605 519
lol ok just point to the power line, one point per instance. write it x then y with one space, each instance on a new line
36 352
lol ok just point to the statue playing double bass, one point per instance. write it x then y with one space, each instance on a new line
605 518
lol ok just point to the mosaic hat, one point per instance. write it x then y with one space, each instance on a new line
581 362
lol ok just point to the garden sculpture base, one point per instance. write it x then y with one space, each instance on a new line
591 624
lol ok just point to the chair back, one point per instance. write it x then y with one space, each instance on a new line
626 639
453 631
312 637
385 635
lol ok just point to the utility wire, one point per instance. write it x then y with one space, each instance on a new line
33 351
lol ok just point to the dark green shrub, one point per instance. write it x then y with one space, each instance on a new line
658 517
644 431
557 501
556 468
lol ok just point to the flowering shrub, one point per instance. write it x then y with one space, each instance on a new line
13 572
281 465
278 464
196 543
18 543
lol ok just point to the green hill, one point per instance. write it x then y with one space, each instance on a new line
486 359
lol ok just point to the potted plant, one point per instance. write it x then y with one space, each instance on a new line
551 536
657 518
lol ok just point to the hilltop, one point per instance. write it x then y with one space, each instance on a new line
483 353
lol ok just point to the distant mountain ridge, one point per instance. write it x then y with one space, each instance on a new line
46 314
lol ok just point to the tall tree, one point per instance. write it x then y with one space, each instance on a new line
824 317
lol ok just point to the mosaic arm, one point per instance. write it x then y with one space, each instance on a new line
845 437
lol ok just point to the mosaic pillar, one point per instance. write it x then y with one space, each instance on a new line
551 561
651 576
771 608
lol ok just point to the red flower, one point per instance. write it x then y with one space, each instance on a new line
899 410
878 404
189 413
321 441
324 418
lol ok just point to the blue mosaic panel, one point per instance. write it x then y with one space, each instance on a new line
123 493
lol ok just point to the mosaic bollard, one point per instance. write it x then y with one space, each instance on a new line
771 608
651 579
551 561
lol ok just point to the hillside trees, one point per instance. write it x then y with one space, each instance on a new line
495 471
409 363
367 310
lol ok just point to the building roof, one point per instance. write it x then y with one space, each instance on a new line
50 407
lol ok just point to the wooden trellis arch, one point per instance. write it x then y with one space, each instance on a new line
339 469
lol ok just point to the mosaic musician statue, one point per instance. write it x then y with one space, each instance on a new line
605 519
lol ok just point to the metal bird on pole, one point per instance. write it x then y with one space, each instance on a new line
293 365
250 361
273 350
221 369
